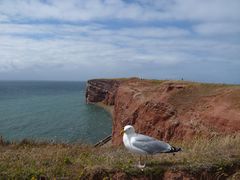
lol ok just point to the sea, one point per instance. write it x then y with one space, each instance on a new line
50 111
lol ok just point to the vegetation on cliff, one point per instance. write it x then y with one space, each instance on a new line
218 157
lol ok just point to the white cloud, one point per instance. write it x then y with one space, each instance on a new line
206 10
118 36
216 29
101 46
71 49
153 32
75 10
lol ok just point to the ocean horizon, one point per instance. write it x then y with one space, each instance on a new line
50 111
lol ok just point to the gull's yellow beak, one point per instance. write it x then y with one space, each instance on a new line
122 132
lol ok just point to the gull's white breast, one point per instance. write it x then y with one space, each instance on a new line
128 140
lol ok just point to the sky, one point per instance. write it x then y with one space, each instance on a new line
77 40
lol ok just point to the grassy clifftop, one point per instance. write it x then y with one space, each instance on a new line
218 157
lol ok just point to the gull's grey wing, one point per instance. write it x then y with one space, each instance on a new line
149 144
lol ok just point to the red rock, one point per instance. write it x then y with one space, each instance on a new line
169 110
101 91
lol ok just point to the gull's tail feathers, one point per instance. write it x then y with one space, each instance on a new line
174 149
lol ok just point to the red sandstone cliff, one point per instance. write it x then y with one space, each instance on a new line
101 90
169 109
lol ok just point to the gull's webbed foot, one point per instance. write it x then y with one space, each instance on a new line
141 166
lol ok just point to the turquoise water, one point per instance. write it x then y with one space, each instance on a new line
54 111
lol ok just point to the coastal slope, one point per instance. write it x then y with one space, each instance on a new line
168 110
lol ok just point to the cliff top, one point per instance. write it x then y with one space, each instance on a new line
157 81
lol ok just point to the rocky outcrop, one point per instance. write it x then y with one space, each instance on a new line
101 90
169 109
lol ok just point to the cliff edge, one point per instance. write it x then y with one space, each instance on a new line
168 110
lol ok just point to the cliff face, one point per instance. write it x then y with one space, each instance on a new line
169 109
101 90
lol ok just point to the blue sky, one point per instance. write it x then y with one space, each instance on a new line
157 39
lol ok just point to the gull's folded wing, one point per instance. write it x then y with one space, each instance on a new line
149 144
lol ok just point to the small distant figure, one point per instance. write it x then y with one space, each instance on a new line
144 145
182 79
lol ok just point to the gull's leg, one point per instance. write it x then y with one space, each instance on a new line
146 159
140 163
140 160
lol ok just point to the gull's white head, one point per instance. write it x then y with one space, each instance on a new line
128 129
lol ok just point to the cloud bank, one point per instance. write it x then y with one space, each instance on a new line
78 40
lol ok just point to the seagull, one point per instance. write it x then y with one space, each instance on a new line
144 145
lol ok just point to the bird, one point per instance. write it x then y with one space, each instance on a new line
144 145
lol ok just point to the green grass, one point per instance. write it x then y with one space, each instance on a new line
160 81
212 85
29 159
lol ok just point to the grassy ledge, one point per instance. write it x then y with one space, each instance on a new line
28 159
